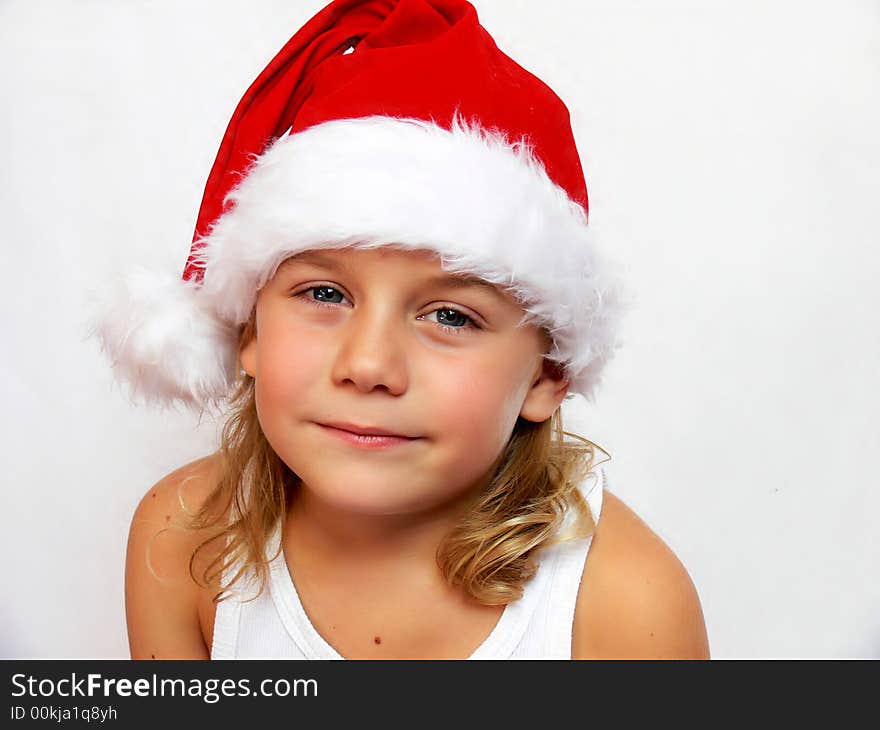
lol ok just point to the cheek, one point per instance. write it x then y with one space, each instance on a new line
478 404
288 366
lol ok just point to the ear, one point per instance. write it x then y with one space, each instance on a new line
247 350
549 387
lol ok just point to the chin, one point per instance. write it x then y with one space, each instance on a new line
366 494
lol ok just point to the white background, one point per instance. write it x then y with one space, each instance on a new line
731 152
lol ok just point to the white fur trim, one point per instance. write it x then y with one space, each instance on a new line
485 204
163 342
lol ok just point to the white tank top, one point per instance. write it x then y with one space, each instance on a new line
538 625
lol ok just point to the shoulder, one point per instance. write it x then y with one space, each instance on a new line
636 598
161 598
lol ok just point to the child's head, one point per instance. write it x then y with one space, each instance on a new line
349 182
384 339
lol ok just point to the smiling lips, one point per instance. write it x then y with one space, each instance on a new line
365 430
368 437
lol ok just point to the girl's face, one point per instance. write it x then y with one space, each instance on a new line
385 339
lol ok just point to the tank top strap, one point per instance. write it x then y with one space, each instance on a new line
227 613
566 566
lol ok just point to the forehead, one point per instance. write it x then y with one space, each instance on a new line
423 265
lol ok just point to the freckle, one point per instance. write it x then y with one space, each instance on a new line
153 494
377 640
167 518
152 656
652 633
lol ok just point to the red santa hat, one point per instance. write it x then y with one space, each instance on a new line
380 122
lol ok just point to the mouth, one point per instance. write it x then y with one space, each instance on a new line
365 430
367 437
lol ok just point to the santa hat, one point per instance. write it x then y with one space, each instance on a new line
380 122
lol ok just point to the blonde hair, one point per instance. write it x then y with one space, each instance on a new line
491 553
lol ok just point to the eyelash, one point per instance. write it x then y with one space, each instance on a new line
471 325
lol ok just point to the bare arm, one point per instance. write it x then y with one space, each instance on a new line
161 605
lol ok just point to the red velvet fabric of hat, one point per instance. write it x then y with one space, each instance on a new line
412 58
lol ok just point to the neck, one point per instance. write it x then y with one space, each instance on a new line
338 535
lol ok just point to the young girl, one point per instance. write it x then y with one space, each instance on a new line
391 290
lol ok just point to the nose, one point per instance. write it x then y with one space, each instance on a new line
372 352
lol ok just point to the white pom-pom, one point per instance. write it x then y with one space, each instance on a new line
163 341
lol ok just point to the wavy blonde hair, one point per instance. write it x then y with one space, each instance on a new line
491 553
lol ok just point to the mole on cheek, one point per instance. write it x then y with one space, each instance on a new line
377 640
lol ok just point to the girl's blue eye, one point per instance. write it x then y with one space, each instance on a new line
326 293
323 291
456 316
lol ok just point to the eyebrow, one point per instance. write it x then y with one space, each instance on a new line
452 281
